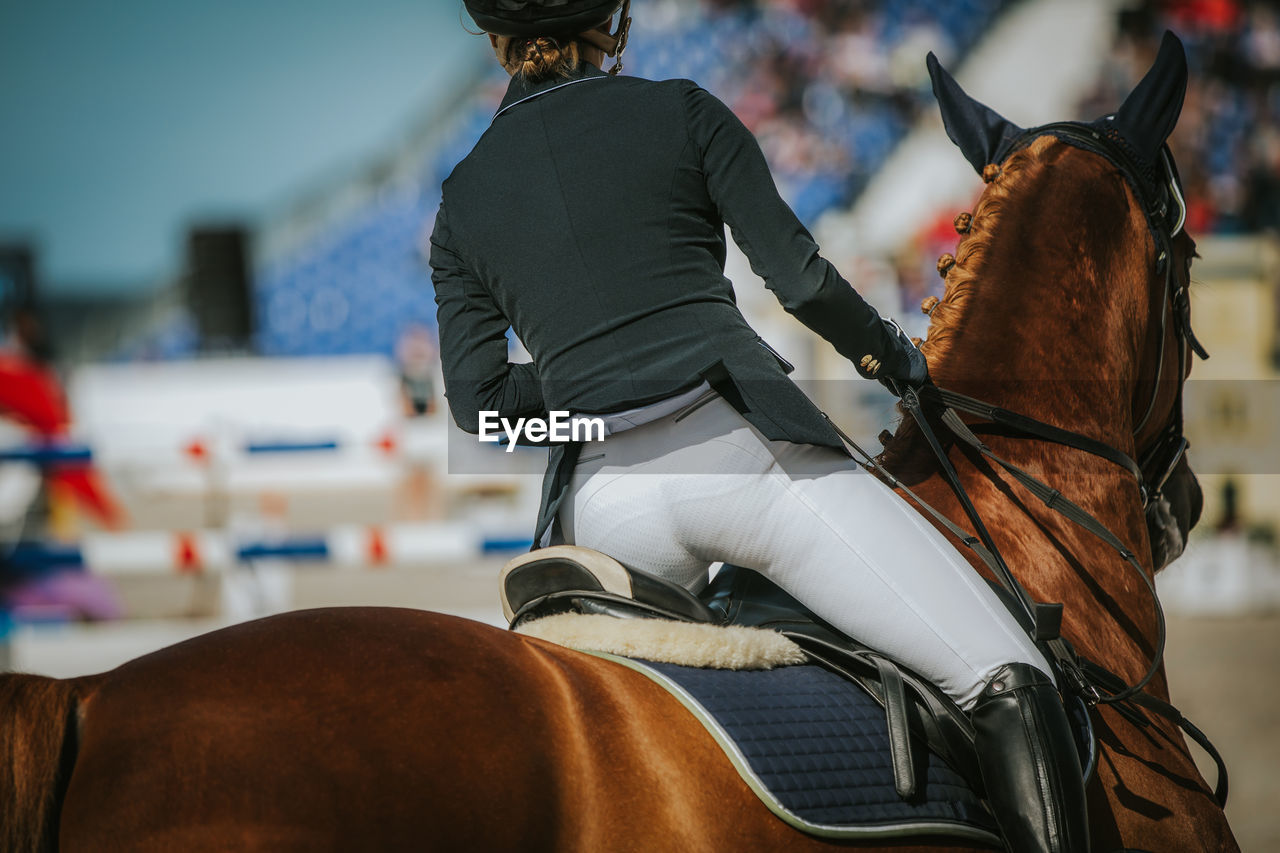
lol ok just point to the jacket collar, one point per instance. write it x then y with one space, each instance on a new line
520 90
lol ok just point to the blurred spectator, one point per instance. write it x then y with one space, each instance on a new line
32 405
1229 521
31 396
827 87
417 358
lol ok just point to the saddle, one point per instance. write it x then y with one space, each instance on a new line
922 723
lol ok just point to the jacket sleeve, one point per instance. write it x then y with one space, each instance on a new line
473 344
779 248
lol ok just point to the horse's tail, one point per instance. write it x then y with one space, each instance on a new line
37 751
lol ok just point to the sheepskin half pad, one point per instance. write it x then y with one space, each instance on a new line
667 641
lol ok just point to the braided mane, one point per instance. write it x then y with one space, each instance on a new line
1003 184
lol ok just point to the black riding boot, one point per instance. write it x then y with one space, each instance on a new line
1029 763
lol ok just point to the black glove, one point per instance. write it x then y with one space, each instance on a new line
902 364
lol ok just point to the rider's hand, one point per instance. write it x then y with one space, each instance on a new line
904 363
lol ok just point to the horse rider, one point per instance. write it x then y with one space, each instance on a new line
589 218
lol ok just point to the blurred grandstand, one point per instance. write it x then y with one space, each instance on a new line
1228 139
828 89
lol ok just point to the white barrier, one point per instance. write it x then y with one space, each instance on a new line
195 552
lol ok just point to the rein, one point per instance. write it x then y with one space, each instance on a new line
1091 682
1055 500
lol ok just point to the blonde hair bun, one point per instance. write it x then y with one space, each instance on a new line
539 57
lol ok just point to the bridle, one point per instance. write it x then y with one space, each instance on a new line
1158 190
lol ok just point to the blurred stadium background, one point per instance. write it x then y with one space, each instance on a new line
219 394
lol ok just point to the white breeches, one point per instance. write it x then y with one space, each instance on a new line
675 495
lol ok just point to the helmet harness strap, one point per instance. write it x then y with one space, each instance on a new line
613 44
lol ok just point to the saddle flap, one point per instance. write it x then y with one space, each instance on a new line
744 597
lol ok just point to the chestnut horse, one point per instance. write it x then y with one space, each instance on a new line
383 728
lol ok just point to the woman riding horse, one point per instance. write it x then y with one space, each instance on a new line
590 219
393 729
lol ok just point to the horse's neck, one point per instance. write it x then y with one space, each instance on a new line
1048 329
1078 377
1048 318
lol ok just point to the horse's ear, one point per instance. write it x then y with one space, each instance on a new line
1151 111
982 135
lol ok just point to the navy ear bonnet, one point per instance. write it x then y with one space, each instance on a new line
1132 138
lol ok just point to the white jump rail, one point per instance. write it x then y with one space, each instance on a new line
196 552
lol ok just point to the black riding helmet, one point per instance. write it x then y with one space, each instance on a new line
540 17
579 18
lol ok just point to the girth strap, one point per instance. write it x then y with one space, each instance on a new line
913 707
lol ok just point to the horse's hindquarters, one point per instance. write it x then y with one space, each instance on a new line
350 729
371 728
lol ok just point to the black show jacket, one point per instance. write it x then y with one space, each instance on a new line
589 218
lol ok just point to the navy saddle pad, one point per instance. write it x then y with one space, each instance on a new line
814 748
